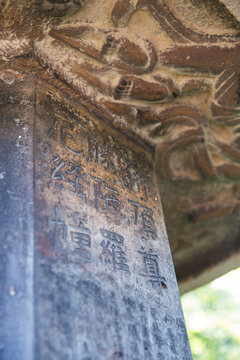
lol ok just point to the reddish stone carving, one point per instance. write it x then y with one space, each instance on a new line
137 88
112 48
122 12
164 72
173 85
176 29
211 58
214 209
225 105
59 7
190 137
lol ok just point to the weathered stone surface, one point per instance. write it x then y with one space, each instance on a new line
233 7
97 272
16 217
164 72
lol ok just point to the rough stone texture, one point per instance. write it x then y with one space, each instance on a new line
233 7
16 217
86 268
166 73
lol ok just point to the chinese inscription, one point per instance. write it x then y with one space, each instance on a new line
71 176
148 228
151 268
71 171
99 240
80 238
112 250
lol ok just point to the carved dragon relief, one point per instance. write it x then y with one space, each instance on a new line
174 82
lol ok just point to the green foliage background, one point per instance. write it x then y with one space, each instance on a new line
213 322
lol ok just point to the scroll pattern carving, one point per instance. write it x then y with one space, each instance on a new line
133 55
163 12
133 72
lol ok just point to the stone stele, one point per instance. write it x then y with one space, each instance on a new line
109 108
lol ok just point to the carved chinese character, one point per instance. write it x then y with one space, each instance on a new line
79 176
77 188
97 191
148 224
147 221
112 203
60 231
66 132
151 268
81 238
57 173
112 252
98 153
128 176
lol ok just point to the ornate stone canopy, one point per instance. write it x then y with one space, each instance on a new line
165 73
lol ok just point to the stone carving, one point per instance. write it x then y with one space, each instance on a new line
176 29
164 72
213 209
211 58
59 7
224 204
163 12
174 82
233 7
225 104
190 139
109 47
122 11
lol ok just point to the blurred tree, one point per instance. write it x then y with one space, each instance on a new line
213 321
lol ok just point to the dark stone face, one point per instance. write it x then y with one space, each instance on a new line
82 237
59 8
81 221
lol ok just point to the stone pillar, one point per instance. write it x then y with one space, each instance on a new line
16 218
97 97
86 269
